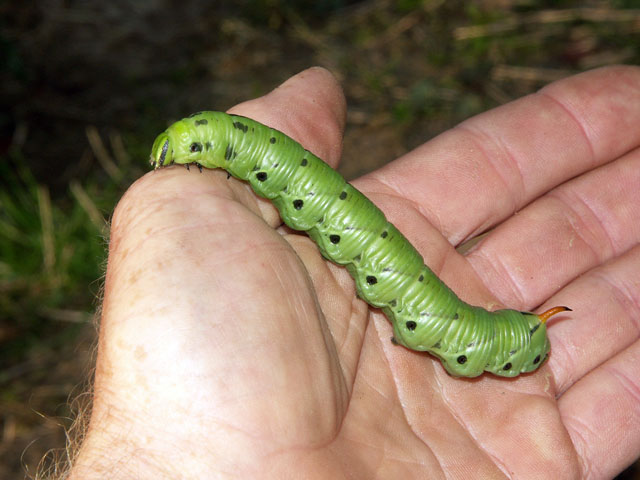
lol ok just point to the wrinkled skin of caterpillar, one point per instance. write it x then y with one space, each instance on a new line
350 230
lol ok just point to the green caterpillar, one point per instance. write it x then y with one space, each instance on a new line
350 230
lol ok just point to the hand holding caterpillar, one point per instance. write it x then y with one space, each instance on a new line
350 230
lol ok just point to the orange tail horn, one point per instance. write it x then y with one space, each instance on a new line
551 312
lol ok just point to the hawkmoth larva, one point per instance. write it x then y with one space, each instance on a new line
350 230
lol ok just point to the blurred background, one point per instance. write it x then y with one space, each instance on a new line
86 86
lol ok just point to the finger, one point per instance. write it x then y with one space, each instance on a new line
172 293
206 308
602 415
310 108
472 177
576 227
605 319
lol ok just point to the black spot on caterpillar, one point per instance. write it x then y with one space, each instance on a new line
241 126
426 315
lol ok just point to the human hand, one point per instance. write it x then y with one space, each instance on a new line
230 348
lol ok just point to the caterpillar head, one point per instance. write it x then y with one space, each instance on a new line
161 152
176 145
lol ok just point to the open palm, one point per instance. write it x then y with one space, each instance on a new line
229 348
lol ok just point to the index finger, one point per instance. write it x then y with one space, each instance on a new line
472 177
